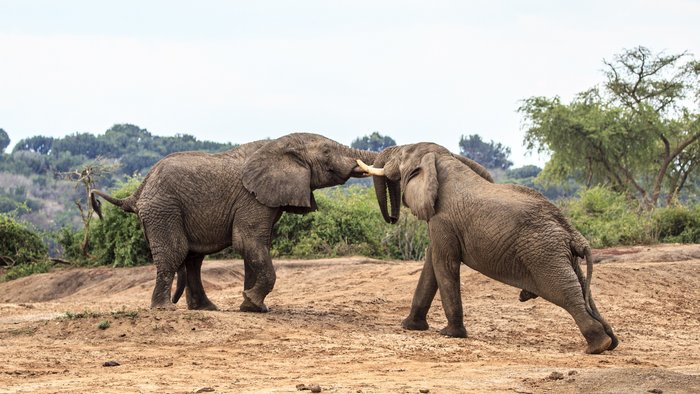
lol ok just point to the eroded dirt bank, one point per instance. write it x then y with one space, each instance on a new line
335 323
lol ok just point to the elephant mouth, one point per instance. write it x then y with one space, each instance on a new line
358 172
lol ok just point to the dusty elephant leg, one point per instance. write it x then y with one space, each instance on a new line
568 294
169 250
249 276
606 326
423 296
446 268
196 297
161 293
258 259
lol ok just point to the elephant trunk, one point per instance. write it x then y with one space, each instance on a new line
366 156
382 184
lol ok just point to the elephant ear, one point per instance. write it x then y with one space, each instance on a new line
277 176
420 188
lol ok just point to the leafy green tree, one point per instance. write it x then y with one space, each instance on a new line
636 133
37 144
4 141
374 142
489 154
19 244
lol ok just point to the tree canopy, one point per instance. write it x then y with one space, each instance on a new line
489 154
374 142
4 140
637 132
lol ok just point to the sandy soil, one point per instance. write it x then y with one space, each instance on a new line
335 323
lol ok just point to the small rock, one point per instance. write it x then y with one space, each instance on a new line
555 376
315 388
656 391
110 364
424 391
205 390
301 387
572 373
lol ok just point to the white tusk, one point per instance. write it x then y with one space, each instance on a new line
370 169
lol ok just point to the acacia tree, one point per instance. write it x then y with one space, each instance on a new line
4 140
638 132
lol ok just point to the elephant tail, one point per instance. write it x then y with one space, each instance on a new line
583 250
126 204
181 282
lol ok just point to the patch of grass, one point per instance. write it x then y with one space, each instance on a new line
103 325
20 271
124 314
81 315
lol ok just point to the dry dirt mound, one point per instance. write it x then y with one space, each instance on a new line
336 323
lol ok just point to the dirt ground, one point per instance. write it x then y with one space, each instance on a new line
336 323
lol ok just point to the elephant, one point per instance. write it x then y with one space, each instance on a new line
192 204
509 233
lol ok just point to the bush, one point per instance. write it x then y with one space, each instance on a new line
347 222
18 244
678 224
118 239
607 218
20 271
407 239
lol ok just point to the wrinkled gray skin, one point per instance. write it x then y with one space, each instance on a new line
507 232
192 204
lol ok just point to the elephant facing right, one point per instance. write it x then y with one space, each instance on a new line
507 232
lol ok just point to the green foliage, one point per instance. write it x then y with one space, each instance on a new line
19 244
607 218
345 223
678 224
374 142
20 271
118 239
638 133
4 141
408 239
489 154
103 325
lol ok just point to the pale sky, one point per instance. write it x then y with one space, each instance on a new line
237 71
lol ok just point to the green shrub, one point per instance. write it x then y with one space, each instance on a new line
18 244
20 271
347 222
678 224
607 218
407 239
118 239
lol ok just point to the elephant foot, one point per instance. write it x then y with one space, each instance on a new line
249 306
455 332
167 306
599 345
203 306
414 324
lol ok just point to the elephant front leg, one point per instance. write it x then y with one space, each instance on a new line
423 297
447 275
260 279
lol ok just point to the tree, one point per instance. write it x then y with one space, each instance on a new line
4 140
635 133
38 144
491 155
374 142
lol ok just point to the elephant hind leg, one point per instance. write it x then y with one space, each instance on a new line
196 297
169 251
568 295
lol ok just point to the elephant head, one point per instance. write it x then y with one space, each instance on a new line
285 171
411 169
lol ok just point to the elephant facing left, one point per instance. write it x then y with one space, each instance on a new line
191 204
